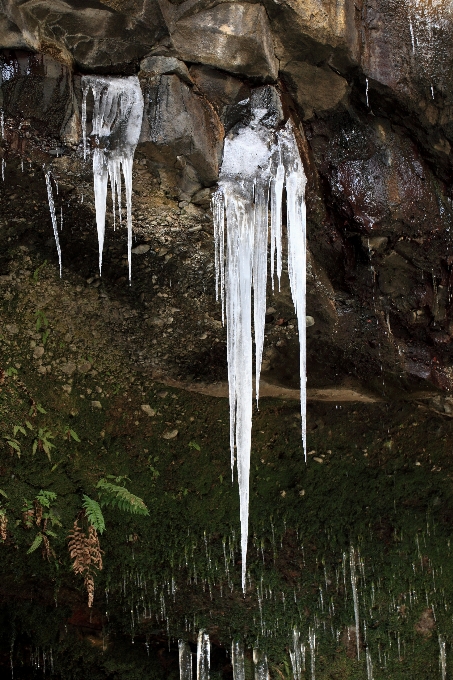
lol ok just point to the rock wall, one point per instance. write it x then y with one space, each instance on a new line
370 86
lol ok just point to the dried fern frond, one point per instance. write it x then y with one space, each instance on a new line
3 526
86 553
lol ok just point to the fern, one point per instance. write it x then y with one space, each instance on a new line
120 497
94 514
46 497
36 543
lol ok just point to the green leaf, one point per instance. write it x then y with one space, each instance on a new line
34 447
40 408
74 435
45 335
18 428
194 445
51 533
14 445
11 371
35 545
46 497
28 424
94 513
120 497
3 493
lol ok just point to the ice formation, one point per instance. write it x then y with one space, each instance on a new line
203 655
259 160
261 665
185 661
53 216
237 660
116 124
297 655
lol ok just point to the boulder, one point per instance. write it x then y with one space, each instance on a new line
91 34
315 89
234 37
229 95
181 131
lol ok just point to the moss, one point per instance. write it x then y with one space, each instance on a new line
378 478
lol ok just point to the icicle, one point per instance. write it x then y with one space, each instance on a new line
3 169
442 657
261 665
185 661
117 118
257 162
312 643
2 123
203 656
53 216
369 666
237 660
297 655
366 94
355 597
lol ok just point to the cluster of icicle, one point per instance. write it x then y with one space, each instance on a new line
116 124
203 660
258 162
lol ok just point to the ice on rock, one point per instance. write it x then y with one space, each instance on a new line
185 661
53 216
116 124
259 160
203 655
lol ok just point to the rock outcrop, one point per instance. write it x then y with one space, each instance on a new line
370 87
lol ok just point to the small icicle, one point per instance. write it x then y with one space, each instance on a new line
203 655
366 94
185 661
52 215
3 169
442 657
355 597
411 28
237 660
2 123
261 665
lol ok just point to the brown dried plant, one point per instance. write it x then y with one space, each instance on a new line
86 554
3 526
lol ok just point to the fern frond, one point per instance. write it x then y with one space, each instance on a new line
94 513
36 543
120 497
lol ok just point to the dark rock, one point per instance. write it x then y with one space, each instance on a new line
229 95
181 132
234 37
86 32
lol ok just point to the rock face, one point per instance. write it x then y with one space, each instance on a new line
370 87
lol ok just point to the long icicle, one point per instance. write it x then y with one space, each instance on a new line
258 162
53 216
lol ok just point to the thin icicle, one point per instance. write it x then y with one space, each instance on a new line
185 661
52 215
2 123
297 655
355 597
297 252
116 122
3 169
203 655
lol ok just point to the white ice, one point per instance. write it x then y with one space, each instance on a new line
237 660
185 661
116 124
261 665
203 655
297 655
258 161
53 216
